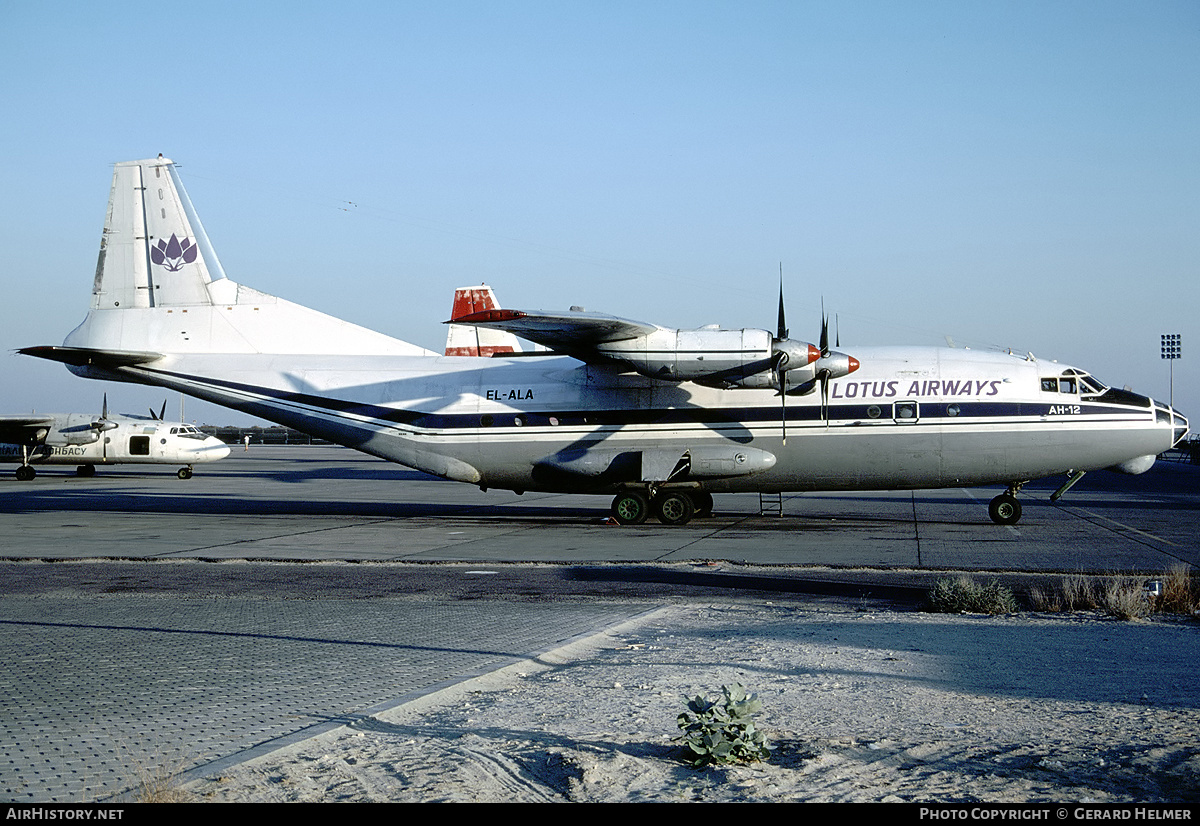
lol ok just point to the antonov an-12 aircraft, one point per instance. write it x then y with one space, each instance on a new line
658 418
86 440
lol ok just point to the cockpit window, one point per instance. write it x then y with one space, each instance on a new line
1066 384
1050 385
187 431
1091 385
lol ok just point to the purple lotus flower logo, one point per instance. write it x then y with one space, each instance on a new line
174 254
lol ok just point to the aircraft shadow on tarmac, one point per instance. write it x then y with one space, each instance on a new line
90 501
1171 488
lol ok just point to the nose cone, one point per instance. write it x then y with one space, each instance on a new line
1180 423
211 449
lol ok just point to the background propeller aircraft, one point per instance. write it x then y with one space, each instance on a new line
85 441
659 418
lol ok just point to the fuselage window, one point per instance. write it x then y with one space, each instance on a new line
139 445
873 411
905 411
953 410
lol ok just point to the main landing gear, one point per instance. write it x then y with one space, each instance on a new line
1005 509
672 507
25 472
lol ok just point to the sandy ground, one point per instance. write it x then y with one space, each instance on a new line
859 706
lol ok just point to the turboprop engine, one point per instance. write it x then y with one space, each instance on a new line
84 435
710 355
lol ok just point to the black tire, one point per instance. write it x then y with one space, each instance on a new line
25 473
1005 510
184 473
674 508
85 470
630 508
703 500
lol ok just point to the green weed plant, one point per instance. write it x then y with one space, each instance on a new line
722 730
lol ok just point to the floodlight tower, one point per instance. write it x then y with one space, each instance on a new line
1172 348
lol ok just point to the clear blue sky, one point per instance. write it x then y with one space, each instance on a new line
1013 174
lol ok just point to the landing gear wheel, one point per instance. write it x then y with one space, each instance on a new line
1005 509
25 473
85 470
184 473
703 501
674 508
630 508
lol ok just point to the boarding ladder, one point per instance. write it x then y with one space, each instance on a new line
770 504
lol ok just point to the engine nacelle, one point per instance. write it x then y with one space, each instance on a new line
73 436
723 462
722 358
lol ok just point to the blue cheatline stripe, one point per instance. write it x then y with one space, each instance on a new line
1025 412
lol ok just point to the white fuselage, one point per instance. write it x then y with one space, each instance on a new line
74 441
908 418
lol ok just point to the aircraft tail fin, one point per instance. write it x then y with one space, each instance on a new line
159 287
466 340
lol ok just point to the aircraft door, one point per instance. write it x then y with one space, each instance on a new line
139 446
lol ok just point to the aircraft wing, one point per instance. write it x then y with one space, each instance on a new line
16 430
575 332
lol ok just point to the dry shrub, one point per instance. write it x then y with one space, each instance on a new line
1043 599
161 790
1180 593
1121 596
159 780
1125 597
962 594
1080 593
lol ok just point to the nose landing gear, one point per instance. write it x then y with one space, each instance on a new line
1005 509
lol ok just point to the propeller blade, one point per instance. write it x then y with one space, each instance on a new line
783 416
824 331
781 359
781 330
103 423
824 376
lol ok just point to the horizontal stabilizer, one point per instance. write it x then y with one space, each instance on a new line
88 357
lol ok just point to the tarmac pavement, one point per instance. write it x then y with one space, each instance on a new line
151 624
